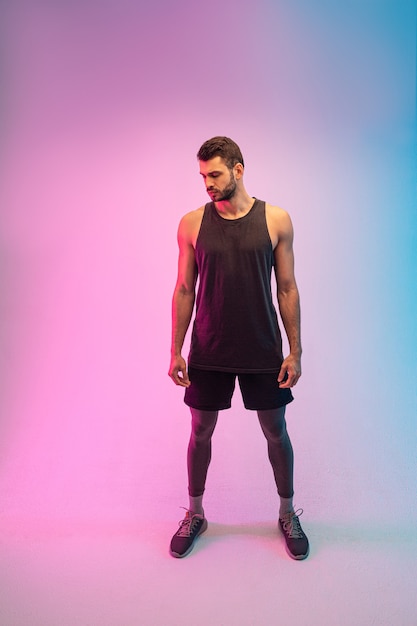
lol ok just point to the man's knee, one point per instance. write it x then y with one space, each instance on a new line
203 424
273 424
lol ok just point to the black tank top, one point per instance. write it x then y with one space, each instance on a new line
236 327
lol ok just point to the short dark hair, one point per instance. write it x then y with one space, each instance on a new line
223 147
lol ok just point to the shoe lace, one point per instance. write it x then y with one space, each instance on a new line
186 525
292 525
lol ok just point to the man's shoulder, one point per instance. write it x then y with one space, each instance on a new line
191 216
190 224
276 212
279 224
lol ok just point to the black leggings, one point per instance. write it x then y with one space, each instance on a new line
280 450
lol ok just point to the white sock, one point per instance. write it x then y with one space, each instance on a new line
285 506
196 505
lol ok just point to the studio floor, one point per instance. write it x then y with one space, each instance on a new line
119 574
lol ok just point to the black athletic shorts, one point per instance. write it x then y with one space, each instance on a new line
213 391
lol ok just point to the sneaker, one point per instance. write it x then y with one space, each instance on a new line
296 541
190 528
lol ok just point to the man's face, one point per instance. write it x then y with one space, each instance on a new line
219 180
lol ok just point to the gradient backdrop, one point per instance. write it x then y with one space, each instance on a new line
103 108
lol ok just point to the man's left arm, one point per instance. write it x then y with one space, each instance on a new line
288 301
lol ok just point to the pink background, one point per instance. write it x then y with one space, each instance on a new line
104 106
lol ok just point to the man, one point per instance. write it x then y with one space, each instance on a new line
232 244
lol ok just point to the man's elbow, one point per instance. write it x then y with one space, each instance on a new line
287 290
185 291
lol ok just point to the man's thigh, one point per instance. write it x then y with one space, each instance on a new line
209 390
261 391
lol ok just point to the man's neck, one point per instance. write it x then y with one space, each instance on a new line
236 207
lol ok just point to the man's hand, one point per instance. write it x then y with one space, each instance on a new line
178 371
290 372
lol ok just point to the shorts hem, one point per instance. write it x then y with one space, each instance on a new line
206 408
269 408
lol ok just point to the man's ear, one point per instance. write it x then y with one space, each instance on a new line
238 170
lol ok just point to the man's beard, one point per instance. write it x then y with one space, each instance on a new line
227 192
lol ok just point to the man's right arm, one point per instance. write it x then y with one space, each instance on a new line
183 301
